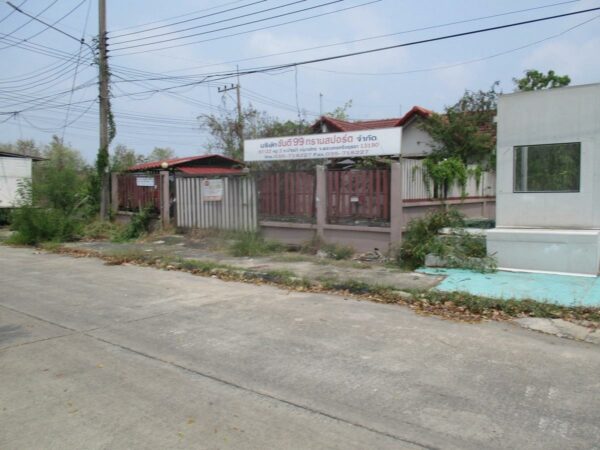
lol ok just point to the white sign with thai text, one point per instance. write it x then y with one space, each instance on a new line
212 190
353 144
144 181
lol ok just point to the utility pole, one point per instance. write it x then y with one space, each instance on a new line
240 121
103 101
320 104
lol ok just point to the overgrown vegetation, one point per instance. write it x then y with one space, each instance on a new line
461 249
252 244
138 226
420 236
55 206
338 251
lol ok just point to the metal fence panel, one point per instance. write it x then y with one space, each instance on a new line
237 210
134 194
358 194
286 194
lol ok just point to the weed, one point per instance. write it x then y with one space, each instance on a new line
338 251
100 229
138 226
420 236
253 244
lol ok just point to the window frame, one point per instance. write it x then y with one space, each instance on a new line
514 171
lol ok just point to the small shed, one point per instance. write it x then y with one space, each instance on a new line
14 169
548 181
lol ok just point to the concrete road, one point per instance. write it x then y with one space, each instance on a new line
95 356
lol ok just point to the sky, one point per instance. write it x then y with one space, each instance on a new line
48 82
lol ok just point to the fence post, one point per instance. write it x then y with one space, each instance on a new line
114 191
396 203
321 200
165 199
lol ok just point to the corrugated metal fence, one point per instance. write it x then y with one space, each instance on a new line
235 211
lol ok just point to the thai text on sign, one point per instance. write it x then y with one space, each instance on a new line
330 145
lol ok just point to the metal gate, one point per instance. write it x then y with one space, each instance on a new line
222 203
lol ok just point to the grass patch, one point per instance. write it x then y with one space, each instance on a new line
253 244
102 229
338 251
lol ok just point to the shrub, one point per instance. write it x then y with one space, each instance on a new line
99 229
253 244
138 226
463 250
338 251
420 236
36 225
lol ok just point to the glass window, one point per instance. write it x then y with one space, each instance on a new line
548 168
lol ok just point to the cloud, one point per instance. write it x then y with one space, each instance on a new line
579 60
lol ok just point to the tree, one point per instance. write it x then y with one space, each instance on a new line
464 134
466 130
535 81
123 158
54 205
160 154
22 147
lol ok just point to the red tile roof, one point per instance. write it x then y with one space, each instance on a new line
344 125
176 162
209 170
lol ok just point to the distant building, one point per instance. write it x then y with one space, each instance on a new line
14 169
416 143
548 181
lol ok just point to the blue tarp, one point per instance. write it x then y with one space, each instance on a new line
560 289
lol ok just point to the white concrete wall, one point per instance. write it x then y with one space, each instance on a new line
12 172
570 114
415 142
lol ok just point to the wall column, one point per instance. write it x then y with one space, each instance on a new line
321 200
165 199
114 192
396 203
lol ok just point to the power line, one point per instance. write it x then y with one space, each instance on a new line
228 27
269 27
12 12
225 75
87 16
82 40
191 20
176 17
30 20
368 38
54 23
462 63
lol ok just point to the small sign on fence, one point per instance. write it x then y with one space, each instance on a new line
144 181
212 190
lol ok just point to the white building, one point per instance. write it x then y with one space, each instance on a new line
548 181
14 168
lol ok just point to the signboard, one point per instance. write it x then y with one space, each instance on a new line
353 144
212 190
144 181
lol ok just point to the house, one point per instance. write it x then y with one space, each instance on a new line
416 143
548 181
14 169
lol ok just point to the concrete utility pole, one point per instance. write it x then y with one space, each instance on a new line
103 101
240 119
